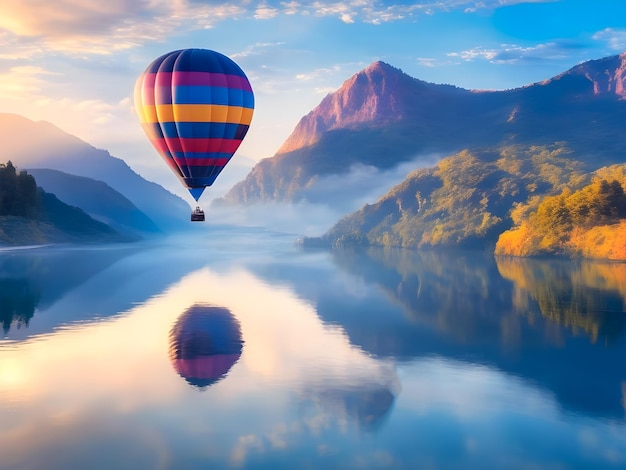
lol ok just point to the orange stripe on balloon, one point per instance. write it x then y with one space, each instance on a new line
197 113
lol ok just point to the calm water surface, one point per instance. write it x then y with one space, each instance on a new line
236 349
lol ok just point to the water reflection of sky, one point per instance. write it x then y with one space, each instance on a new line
105 394
108 370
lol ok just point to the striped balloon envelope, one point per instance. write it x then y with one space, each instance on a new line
195 106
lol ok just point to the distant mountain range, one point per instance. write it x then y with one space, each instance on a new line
450 166
63 223
381 117
115 194
96 198
500 147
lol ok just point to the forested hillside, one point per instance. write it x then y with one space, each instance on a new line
381 118
41 145
29 215
589 222
521 201
464 201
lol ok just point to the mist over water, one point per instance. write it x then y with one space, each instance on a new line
301 218
323 203
365 184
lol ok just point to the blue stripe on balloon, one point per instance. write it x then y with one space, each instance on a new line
190 130
188 94
197 60
202 175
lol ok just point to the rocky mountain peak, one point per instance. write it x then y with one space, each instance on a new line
373 94
606 75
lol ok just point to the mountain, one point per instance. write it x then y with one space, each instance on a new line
40 144
60 223
380 95
29 215
97 199
465 200
382 117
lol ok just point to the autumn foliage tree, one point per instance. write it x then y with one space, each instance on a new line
563 224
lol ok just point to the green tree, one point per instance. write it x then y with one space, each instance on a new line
18 192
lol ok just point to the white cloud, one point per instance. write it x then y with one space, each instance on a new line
12 47
81 116
19 80
316 74
258 48
324 90
472 54
96 27
264 12
616 39
511 53
426 61
290 8
347 18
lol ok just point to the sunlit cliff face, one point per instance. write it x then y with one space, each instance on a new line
372 95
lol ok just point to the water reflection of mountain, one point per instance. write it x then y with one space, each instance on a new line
407 305
33 280
205 342
17 303
66 284
48 287
586 297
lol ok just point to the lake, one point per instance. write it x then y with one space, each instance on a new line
235 348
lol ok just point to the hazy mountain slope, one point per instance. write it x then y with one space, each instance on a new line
31 144
56 222
465 200
381 117
29 215
97 199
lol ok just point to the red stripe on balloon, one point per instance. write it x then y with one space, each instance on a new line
205 367
201 161
176 144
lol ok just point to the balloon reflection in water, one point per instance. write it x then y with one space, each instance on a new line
205 342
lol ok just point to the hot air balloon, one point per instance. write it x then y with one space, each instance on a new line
205 342
195 106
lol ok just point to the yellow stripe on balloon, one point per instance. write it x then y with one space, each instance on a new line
235 114
137 95
197 113
149 114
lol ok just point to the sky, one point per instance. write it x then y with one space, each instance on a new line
74 62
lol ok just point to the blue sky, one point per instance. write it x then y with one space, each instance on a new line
74 62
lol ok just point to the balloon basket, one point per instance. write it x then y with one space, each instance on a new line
197 215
